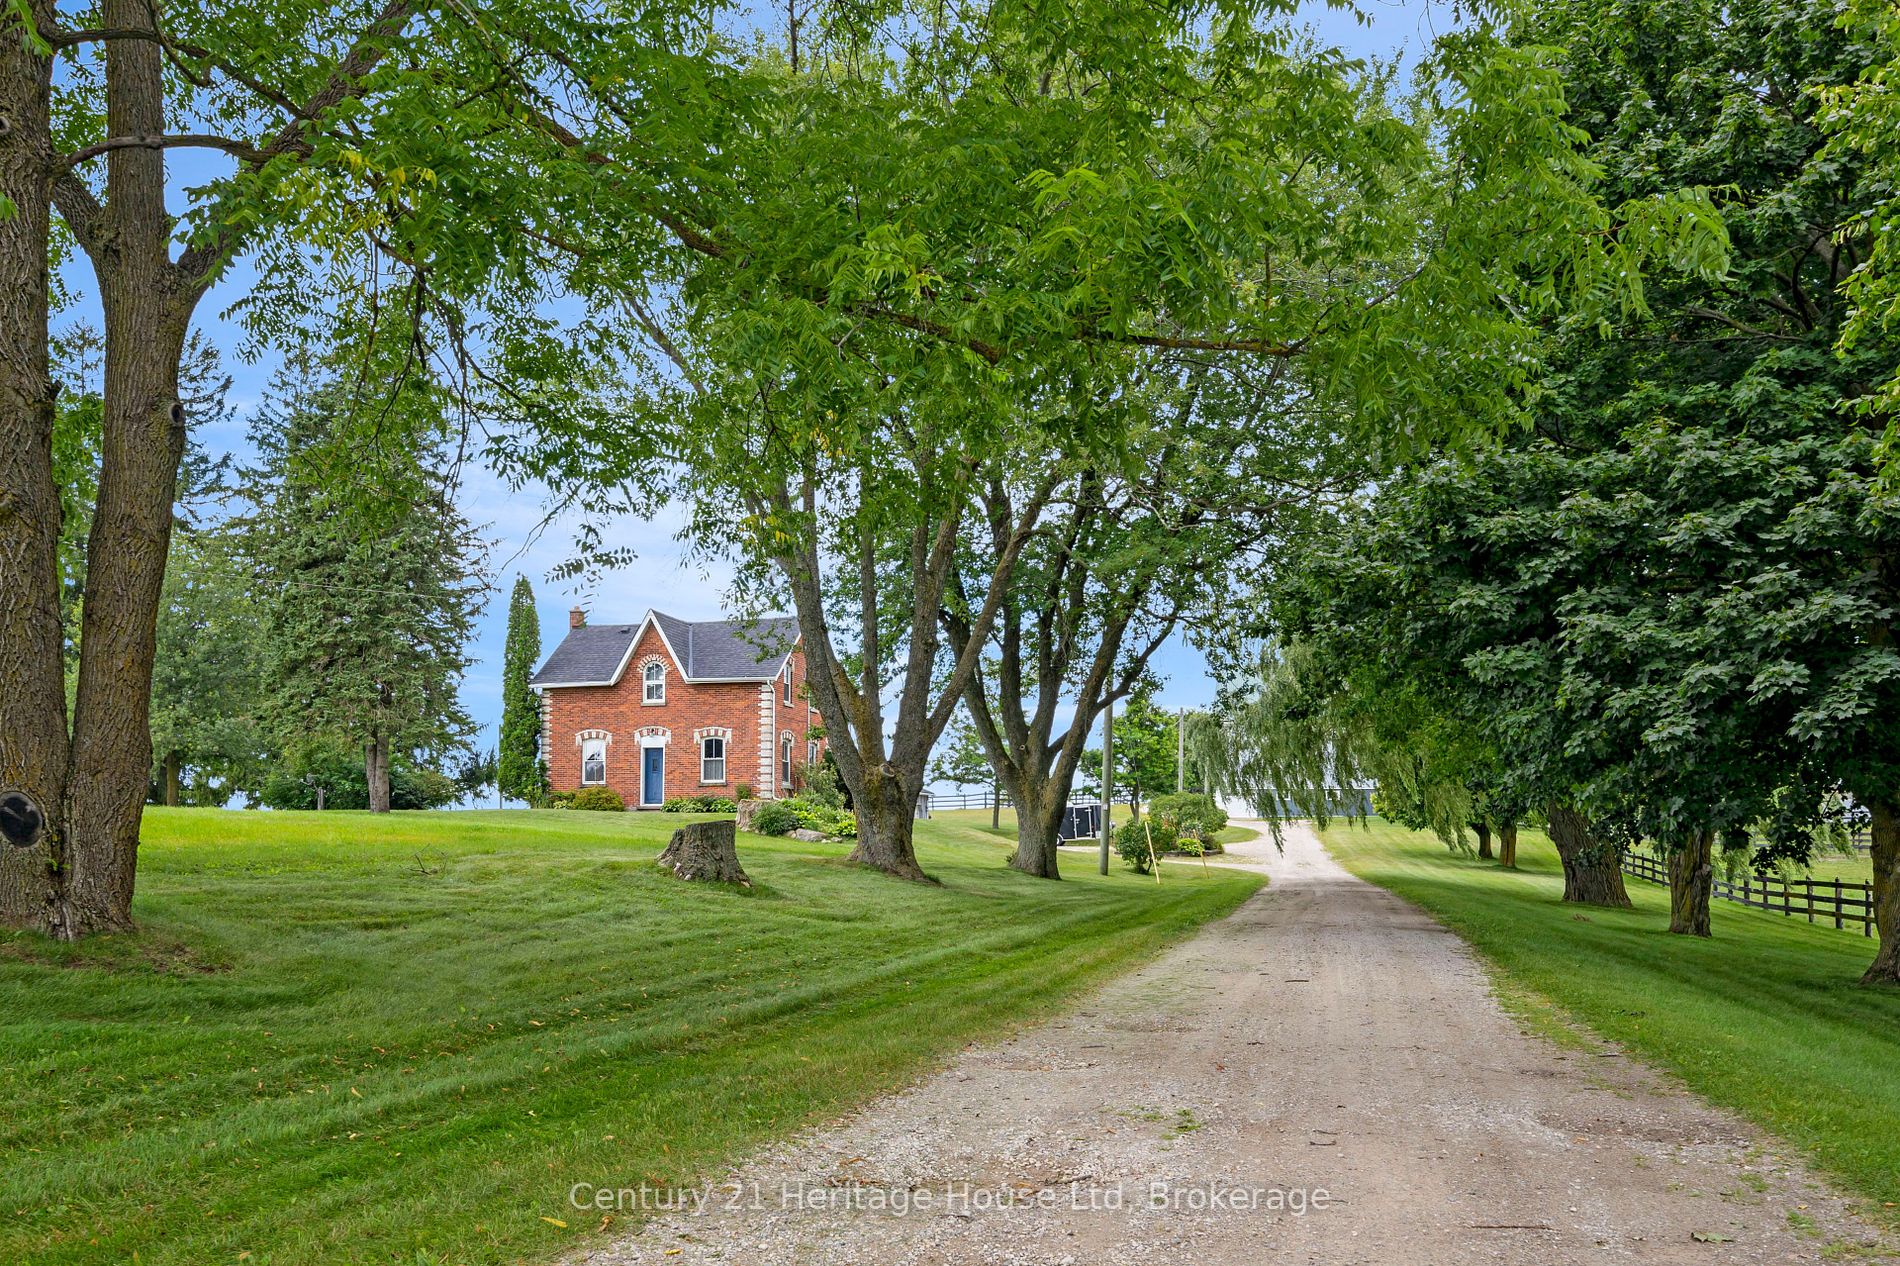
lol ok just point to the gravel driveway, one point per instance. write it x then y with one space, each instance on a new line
1323 1077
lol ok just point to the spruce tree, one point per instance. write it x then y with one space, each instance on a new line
522 776
366 566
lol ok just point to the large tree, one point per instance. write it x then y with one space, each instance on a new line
1138 547
1016 236
384 157
1862 117
1670 606
370 575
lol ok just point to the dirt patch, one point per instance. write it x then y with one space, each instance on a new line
122 952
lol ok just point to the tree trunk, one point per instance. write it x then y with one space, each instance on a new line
705 852
1691 882
886 820
33 735
996 808
1483 830
1507 845
172 771
376 771
1039 807
1591 873
1885 830
143 438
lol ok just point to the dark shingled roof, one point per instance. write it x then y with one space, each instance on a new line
708 650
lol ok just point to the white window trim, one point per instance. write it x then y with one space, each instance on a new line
725 747
585 743
786 750
646 687
788 685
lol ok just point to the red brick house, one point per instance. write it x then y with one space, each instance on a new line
668 708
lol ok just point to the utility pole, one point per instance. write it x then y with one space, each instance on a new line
1180 750
1108 776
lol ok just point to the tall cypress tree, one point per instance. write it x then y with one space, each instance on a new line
522 775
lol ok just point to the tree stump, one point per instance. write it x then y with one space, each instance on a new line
705 851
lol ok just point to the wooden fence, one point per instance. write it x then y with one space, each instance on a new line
988 800
1829 899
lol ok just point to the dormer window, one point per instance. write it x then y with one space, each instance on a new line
788 685
653 683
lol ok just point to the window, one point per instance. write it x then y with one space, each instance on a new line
593 761
811 752
788 685
785 762
712 759
654 677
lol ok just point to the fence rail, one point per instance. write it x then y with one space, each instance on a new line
1829 899
988 800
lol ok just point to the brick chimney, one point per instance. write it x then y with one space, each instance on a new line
576 617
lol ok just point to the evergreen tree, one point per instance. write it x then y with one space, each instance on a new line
369 572
209 692
522 775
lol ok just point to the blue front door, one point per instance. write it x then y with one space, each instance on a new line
653 776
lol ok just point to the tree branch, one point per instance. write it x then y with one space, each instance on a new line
237 149
345 82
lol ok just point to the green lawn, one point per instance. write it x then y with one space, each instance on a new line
341 1039
1764 1018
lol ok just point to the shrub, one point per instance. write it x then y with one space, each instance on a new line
601 799
558 800
743 791
700 804
1190 815
819 783
815 814
1132 842
775 818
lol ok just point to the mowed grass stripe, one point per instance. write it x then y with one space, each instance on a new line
496 1006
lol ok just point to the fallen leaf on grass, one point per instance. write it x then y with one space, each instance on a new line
554 1221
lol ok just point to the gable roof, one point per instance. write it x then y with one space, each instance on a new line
592 655
705 650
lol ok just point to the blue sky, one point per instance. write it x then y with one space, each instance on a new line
662 577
